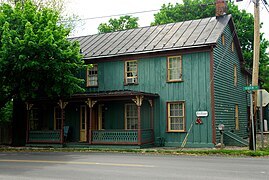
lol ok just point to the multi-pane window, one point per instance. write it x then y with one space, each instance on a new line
57 118
236 116
131 116
33 119
92 75
174 68
131 72
176 117
235 75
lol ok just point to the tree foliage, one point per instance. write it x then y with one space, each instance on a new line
57 5
123 23
244 22
36 59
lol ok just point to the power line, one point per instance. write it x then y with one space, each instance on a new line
100 17
264 4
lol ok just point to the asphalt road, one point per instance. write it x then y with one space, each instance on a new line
119 166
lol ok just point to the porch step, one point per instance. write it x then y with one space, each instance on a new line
232 139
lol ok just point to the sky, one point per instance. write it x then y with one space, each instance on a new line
100 8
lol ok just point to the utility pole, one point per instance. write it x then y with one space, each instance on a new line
255 69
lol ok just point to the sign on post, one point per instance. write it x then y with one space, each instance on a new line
265 98
250 88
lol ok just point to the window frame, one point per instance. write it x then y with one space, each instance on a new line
168 118
236 117
232 46
56 108
168 69
88 75
34 122
235 75
126 73
223 39
126 116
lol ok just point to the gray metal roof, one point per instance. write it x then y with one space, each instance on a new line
186 34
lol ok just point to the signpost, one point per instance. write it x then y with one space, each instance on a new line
262 101
252 88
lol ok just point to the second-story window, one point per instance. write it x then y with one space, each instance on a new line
174 69
92 76
131 72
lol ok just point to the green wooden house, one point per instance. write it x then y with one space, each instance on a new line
167 85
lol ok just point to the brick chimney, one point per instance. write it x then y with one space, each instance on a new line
221 8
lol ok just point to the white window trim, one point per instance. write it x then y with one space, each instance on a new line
133 79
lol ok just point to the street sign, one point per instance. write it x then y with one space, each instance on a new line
250 88
265 97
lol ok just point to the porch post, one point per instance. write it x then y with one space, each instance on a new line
62 105
152 118
28 108
138 101
90 103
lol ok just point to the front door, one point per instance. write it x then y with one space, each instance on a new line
83 123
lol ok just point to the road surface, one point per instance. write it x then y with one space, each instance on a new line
124 166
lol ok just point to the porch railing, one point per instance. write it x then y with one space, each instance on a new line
121 136
114 136
48 136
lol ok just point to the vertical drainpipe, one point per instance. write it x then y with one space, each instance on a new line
212 96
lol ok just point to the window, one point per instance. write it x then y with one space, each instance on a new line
33 119
232 46
174 68
236 116
176 116
57 118
131 72
235 75
92 76
131 116
223 39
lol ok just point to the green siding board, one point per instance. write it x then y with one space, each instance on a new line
226 95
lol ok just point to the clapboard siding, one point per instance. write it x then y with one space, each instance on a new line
226 94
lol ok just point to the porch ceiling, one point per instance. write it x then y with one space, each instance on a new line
120 94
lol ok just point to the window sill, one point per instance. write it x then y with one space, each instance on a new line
125 84
92 86
179 131
174 81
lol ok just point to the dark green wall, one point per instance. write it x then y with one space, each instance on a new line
226 94
194 90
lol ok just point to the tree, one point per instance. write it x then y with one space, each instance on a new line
123 23
244 23
36 59
57 5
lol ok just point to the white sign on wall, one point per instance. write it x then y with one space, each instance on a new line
201 113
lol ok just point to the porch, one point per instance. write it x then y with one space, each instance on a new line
110 119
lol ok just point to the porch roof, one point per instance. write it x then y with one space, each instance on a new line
114 94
